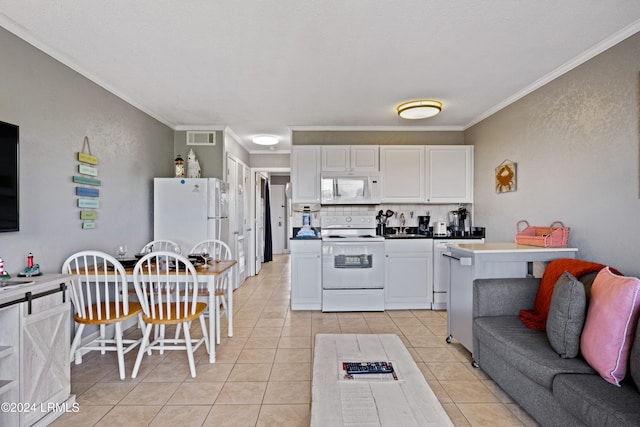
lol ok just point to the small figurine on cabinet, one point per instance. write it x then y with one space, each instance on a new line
3 273
193 166
179 166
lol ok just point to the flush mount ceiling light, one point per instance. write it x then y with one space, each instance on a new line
265 140
420 109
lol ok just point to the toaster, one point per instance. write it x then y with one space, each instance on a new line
440 228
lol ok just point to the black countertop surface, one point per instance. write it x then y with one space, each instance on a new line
410 233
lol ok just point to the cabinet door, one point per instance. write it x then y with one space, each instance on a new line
306 275
45 369
335 158
305 174
365 158
354 158
409 278
402 170
449 172
408 285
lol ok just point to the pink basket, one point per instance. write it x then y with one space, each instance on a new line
554 236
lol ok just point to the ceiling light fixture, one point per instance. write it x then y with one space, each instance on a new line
420 109
265 140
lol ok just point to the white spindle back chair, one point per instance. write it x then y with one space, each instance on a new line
161 245
217 250
98 293
159 278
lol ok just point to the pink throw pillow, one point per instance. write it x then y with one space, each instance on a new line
610 325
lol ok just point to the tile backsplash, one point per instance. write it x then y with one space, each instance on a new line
435 211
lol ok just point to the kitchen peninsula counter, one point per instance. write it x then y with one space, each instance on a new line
509 248
470 261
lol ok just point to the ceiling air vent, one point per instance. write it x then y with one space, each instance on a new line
201 138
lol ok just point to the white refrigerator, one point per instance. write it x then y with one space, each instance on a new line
189 210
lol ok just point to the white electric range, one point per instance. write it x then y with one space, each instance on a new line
352 264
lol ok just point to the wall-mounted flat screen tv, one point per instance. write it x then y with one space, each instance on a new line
9 173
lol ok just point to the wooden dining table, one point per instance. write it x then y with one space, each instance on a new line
208 274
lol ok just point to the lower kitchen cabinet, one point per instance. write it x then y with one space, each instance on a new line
306 274
409 278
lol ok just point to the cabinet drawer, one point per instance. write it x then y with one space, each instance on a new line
306 246
408 245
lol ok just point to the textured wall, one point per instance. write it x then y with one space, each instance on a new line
377 137
55 108
211 159
576 144
259 160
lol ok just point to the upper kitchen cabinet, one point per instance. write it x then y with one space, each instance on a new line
350 158
449 174
305 174
403 174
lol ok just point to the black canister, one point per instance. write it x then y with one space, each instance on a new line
423 224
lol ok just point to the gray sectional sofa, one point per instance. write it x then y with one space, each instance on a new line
553 390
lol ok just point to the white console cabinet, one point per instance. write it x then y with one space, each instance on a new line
409 278
34 351
306 274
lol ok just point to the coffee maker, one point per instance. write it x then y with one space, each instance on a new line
464 221
423 224
460 222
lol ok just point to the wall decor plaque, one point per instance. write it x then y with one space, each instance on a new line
88 214
87 170
87 192
506 177
88 181
88 203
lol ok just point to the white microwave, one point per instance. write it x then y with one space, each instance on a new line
341 189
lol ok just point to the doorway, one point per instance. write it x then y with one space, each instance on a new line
276 177
278 218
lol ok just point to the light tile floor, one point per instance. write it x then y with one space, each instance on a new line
262 376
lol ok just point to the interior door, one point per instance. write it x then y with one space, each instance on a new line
259 225
234 230
246 209
277 217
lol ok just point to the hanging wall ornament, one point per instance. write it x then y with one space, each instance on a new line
506 177
87 192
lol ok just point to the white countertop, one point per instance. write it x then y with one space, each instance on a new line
505 248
